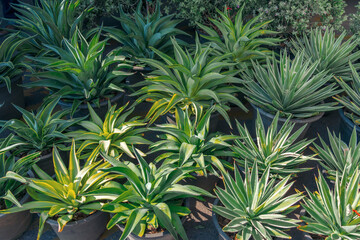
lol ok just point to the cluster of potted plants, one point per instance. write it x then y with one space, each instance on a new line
89 158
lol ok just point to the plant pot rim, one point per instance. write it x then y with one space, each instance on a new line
94 215
215 221
155 236
348 120
102 103
295 120
26 197
13 80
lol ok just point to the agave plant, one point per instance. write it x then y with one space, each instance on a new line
290 86
256 206
188 143
11 59
39 132
189 80
63 196
338 157
333 214
332 53
48 22
351 101
275 148
240 41
150 200
11 189
140 32
82 74
115 134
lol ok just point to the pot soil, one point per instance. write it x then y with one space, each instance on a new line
89 228
13 225
165 235
267 119
101 111
16 97
346 127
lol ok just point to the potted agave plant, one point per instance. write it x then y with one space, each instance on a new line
275 148
40 131
115 134
54 20
290 87
254 206
333 214
62 202
82 75
139 32
190 79
12 68
350 115
333 53
188 143
241 42
13 225
151 203
338 156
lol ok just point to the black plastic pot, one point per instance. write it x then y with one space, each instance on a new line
156 236
83 109
346 127
14 225
207 183
46 162
89 228
267 119
7 110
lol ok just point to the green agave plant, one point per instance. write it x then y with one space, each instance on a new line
189 80
82 74
338 157
48 22
150 200
351 101
289 86
11 189
115 134
65 195
40 131
275 148
141 32
332 53
333 214
241 41
189 143
11 59
256 206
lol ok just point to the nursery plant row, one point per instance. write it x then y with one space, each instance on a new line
129 131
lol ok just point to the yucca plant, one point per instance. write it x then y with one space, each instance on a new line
334 214
48 22
331 52
65 195
256 205
351 101
289 86
189 143
275 148
139 32
41 130
11 59
189 81
11 189
82 74
115 134
151 199
241 41
338 157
